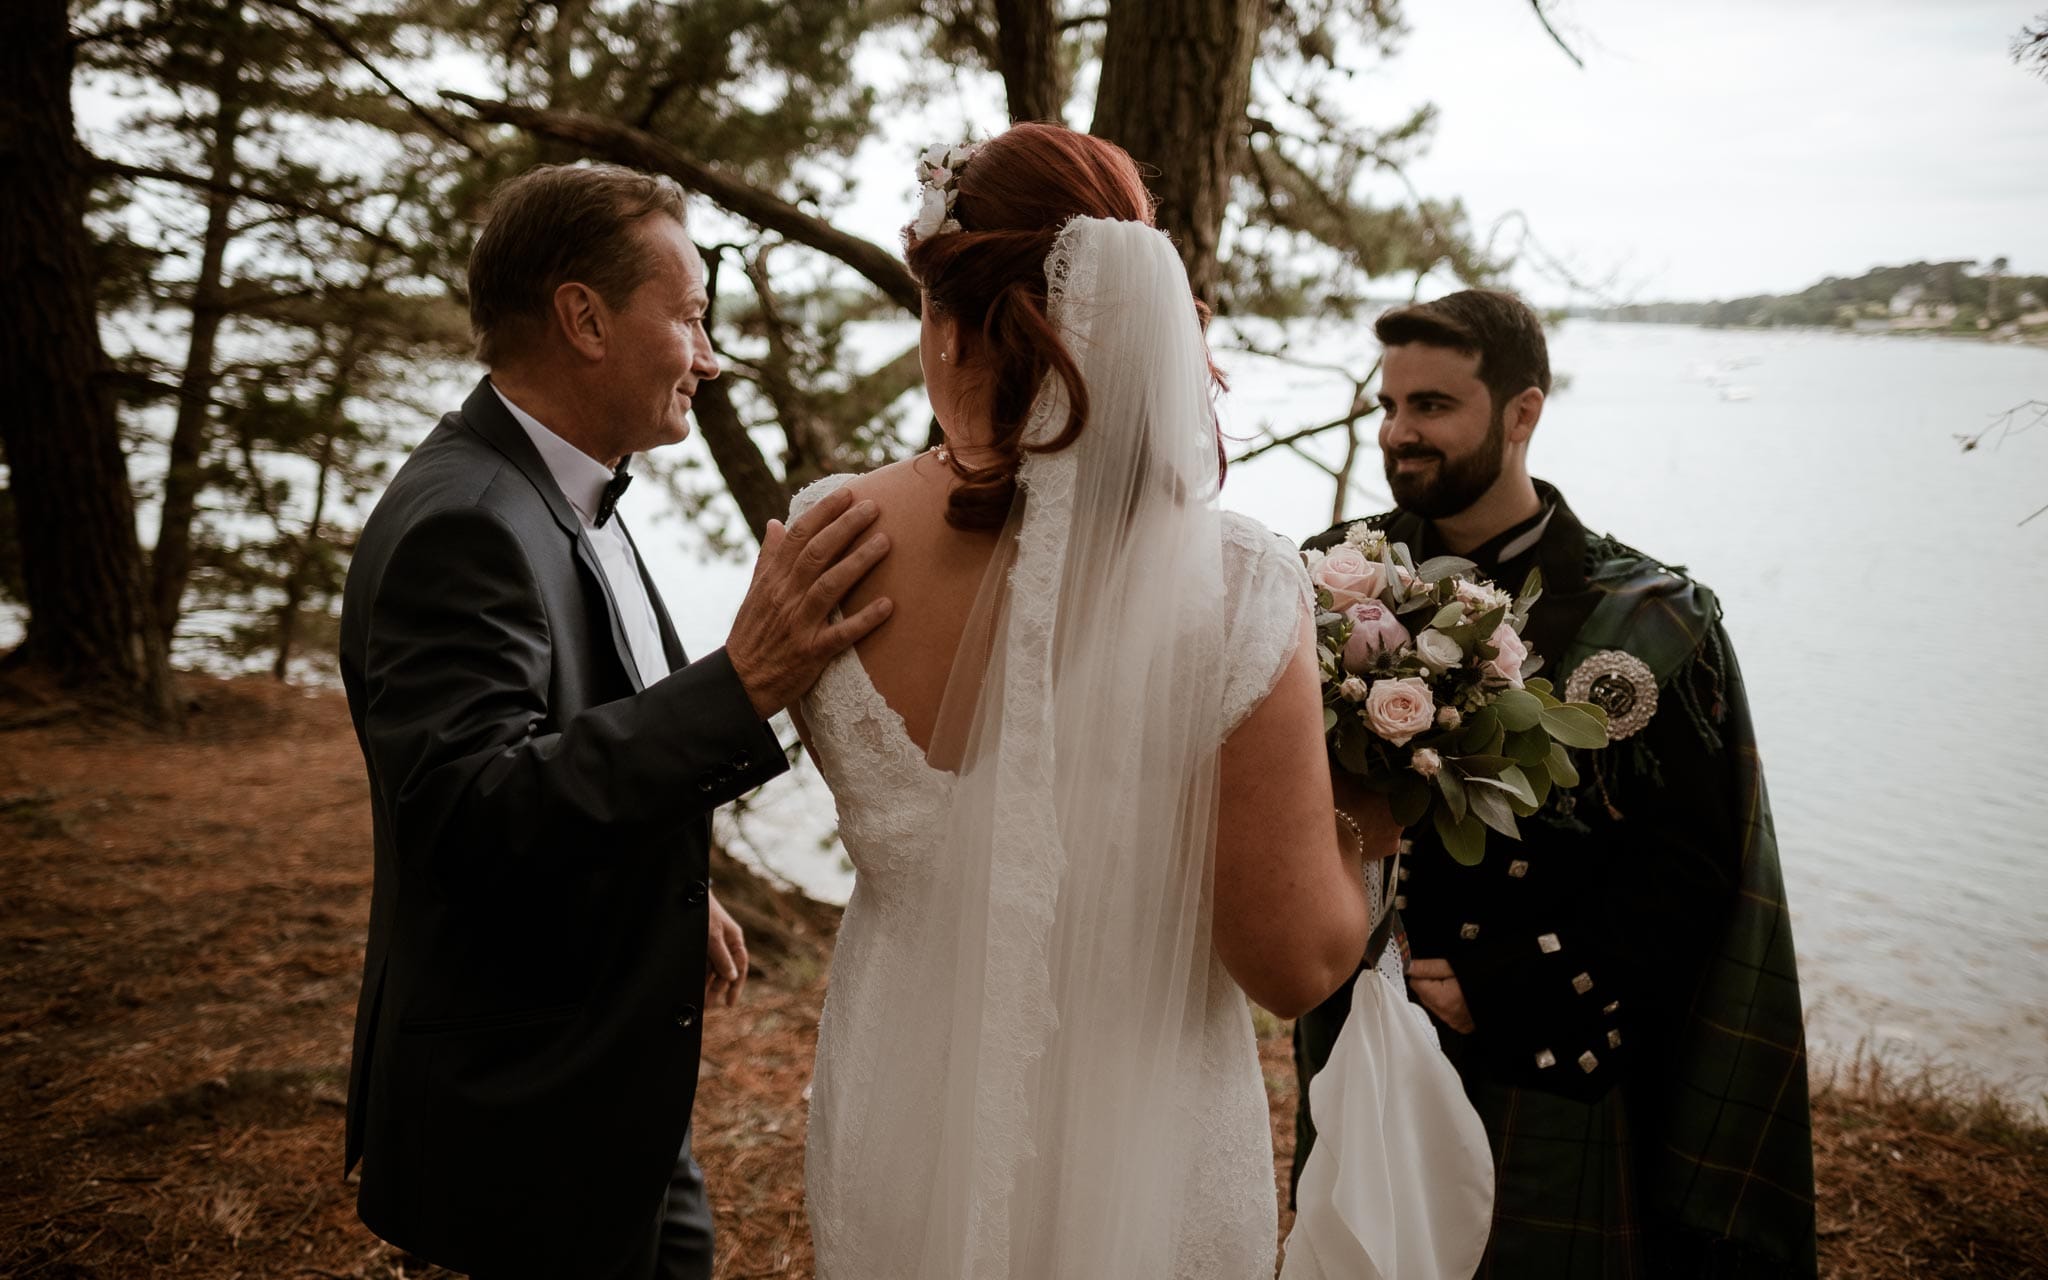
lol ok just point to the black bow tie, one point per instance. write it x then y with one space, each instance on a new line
612 489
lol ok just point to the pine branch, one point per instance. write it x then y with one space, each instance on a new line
1544 18
201 182
339 39
627 145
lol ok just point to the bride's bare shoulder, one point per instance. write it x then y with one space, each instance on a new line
901 487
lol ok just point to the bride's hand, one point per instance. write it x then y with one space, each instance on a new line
1378 832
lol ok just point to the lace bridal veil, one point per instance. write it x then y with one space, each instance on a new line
1069 909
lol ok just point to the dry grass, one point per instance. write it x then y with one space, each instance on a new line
181 931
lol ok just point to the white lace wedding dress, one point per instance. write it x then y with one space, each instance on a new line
869 1191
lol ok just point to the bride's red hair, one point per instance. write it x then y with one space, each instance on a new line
1015 194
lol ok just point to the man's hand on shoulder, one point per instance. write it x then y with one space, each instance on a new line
784 634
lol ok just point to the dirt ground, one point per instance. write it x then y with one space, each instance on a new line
181 933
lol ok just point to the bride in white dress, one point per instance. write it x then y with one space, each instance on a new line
1080 775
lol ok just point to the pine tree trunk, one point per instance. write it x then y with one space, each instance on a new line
1028 50
81 565
170 565
1176 83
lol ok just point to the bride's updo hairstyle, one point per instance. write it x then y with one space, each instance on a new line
1015 194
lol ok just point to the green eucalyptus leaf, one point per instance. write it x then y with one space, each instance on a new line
1329 718
1528 747
1517 782
1541 688
1491 807
1448 615
1454 794
1560 766
1482 766
1477 733
1438 568
1464 840
1573 727
1409 799
1518 709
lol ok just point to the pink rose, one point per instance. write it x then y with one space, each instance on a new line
1374 631
1397 710
1509 655
1349 577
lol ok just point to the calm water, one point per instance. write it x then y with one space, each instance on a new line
1889 614
1888 611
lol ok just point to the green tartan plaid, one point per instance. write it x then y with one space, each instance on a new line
1733 1161
1563 1199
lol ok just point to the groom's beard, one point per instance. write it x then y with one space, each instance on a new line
1455 483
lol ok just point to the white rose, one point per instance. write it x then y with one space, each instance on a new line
1438 649
1397 710
1353 689
931 214
1448 718
1426 762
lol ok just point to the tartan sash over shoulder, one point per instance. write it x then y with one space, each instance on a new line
1736 1161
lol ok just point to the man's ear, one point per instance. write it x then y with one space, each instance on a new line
1524 411
583 320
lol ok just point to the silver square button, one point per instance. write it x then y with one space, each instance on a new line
1548 943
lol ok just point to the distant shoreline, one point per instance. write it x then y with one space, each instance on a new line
2037 339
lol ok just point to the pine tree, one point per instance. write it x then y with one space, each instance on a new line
88 621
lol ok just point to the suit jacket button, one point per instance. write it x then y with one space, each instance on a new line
695 893
688 1017
743 761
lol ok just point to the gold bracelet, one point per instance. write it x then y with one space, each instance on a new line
1357 832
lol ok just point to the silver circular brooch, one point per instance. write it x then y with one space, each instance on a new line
1620 684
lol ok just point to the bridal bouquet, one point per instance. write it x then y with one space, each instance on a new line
1429 694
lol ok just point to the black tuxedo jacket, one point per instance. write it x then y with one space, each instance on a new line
526 1043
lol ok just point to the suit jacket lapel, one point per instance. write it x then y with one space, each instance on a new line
486 414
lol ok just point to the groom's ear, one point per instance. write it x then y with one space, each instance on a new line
582 319
1524 412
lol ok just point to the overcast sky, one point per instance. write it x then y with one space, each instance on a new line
1709 149
1739 146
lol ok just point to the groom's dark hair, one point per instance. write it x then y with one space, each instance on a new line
1492 324
553 225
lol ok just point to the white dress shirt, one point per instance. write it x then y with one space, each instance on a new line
582 479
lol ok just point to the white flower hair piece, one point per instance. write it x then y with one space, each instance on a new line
937 171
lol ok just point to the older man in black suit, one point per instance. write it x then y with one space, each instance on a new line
544 761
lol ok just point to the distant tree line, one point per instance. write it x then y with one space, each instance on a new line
1968 296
